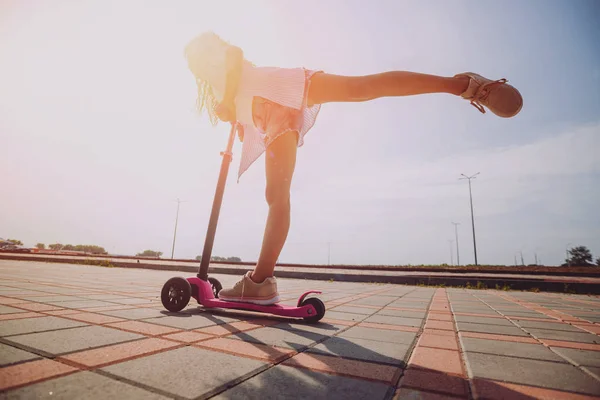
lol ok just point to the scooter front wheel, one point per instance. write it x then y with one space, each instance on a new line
176 294
319 307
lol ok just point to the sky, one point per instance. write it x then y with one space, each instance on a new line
99 135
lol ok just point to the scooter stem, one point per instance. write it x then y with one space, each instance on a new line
216 208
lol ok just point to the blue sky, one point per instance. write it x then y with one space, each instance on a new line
99 134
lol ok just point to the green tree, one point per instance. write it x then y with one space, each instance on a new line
598 261
198 258
40 246
68 247
149 253
15 241
579 256
234 259
55 246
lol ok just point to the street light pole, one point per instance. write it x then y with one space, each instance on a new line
175 233
451 255
472 218
456 237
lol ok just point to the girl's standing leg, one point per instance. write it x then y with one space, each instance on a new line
280 160
260 286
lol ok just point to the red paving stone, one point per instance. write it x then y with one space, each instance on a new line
436 382
389 327
593 328
341 366
442 325
22 315
62 312
439 332
439 316
571 345
30 372
446 361
487 389
438 342
261 352
37 307
504 338
143 327
93 318
187 337
119 352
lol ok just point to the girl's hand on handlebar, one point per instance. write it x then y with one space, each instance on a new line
226 112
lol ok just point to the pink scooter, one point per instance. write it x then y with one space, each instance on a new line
176 292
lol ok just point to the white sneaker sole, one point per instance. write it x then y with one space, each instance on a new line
267 302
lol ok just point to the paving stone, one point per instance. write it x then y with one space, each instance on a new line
134 313
558 326
594 370
10 310
187 372
524 371
483 320
497 347
402 313
82 385
187 322
563 335
42 299
344 316
497 329
580 357
386 319
10 355
363 349
374 300
279 382
321 328
81 304
353 310
40 324
279 337
69 340
381 335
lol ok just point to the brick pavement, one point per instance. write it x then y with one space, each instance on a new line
89 332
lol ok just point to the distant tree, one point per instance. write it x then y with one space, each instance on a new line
598 261
580 256
55 246
15 241
234 259
230 259
217 258
198 258
40 246
149 253
68 247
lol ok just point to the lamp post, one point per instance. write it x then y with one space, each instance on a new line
456 238
175 232
472 218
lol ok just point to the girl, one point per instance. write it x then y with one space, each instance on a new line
276 107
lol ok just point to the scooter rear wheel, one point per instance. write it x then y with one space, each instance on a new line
319 307
216 286
176 294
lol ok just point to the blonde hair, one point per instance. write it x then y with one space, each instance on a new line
206 101
206 98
